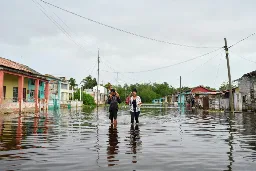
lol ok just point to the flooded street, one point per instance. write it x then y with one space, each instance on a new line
164 140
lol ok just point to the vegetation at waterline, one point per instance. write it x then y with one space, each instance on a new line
87 99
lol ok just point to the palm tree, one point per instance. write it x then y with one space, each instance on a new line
72 83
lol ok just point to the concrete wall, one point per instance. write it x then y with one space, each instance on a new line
31 87
247 87
238 101
11 81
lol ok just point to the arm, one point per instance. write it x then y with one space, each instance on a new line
109 99
139 100
118 100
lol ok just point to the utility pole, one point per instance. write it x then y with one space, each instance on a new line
98 77
229 78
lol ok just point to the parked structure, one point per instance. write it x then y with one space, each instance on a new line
21 88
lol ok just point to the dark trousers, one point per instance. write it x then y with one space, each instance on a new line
112 115
136 116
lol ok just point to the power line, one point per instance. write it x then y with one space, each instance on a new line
124 31
65 32
55 22
248 59
63 22
205 62
242 40
149 70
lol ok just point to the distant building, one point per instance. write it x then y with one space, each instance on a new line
247 88
103 94
21 88
200 97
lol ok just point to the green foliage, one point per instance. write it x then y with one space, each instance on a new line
89 82
225 86
72 82
209 88
107 86
147 91
86 98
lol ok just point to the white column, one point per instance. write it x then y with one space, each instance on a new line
80 93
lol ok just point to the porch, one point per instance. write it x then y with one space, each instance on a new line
22 92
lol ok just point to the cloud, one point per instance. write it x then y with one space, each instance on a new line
29 37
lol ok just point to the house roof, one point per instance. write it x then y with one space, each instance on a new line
52 77
203 88
250 74
6 63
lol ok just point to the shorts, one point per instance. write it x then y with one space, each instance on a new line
113 115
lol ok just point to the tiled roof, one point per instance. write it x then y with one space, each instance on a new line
14 65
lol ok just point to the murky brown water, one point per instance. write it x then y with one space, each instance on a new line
164 140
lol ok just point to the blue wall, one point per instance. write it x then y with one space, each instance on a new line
31 87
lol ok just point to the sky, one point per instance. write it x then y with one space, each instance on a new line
70 49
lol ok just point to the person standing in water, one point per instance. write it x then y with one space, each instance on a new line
135 103
113 101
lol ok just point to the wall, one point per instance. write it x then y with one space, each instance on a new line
238 101
31 87
11 81
247 87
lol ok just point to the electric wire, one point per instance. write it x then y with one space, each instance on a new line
247 59
242 40
125 31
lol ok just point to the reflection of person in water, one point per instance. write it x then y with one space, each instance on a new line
134 141
112 149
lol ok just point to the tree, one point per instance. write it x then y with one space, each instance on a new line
209 88
107 86
225 86
86 98
72 83
89 82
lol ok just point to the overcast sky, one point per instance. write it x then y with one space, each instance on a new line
29 37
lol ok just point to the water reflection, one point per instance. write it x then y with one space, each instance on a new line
134 142
112 149
171 141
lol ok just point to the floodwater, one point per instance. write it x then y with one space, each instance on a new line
165 140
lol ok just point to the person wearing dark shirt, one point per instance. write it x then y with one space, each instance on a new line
113 101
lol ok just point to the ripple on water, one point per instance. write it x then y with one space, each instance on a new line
165 140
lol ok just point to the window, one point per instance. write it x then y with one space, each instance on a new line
31 94
15 94
244 99
4 92
32 82
64 86
24 94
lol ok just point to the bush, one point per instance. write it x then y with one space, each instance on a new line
86 98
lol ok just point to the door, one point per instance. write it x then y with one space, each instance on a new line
24 94
206 103
4 92
15 94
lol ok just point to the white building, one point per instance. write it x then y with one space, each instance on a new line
103 94
64 89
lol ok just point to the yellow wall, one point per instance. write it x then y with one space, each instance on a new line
11 81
